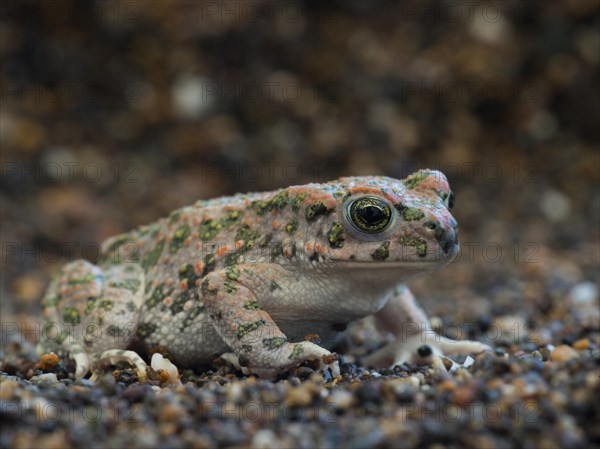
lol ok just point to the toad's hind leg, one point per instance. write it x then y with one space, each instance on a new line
91 310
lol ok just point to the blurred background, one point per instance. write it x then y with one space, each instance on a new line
115 113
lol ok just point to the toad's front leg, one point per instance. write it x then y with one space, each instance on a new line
415 339
237 315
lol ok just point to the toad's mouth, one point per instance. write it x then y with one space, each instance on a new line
394 264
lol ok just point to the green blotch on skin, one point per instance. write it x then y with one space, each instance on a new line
175 216
233 273
411 214
233 216
123 238
131 307
179 237
260 207
112 253
381 253
292 227
245 329
83 280
209 229
252 305
419 245
148 229
248 235
336 235
278 202
296 352
113 330
90 305
178 303
157 296
233 258
229 287
298 201
415 179
61 337
128 284
151 258
146 329
106 304
274 343
317 209
71 315
51 301
209 264
186 271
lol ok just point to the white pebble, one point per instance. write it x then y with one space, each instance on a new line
264 439
193 96
44 379
158 362
555 205
584 293
468 362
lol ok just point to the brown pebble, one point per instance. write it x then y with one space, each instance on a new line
464 395
313 338
163 375
447 385
49 361
171 412
563 353
582 344
6 389
298 397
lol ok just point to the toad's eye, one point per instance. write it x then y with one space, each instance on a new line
370 214
450 200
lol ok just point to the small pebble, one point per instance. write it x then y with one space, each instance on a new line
49 361
44 380
581 344
563 353
298 397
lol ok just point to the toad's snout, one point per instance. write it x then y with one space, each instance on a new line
447 238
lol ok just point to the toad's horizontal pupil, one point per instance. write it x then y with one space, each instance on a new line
372 214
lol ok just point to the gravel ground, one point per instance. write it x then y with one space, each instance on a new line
181 101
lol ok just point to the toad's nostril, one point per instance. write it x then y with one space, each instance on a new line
430 225
448 242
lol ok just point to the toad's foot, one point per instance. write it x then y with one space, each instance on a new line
415 339
424 348
290 356
101 361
